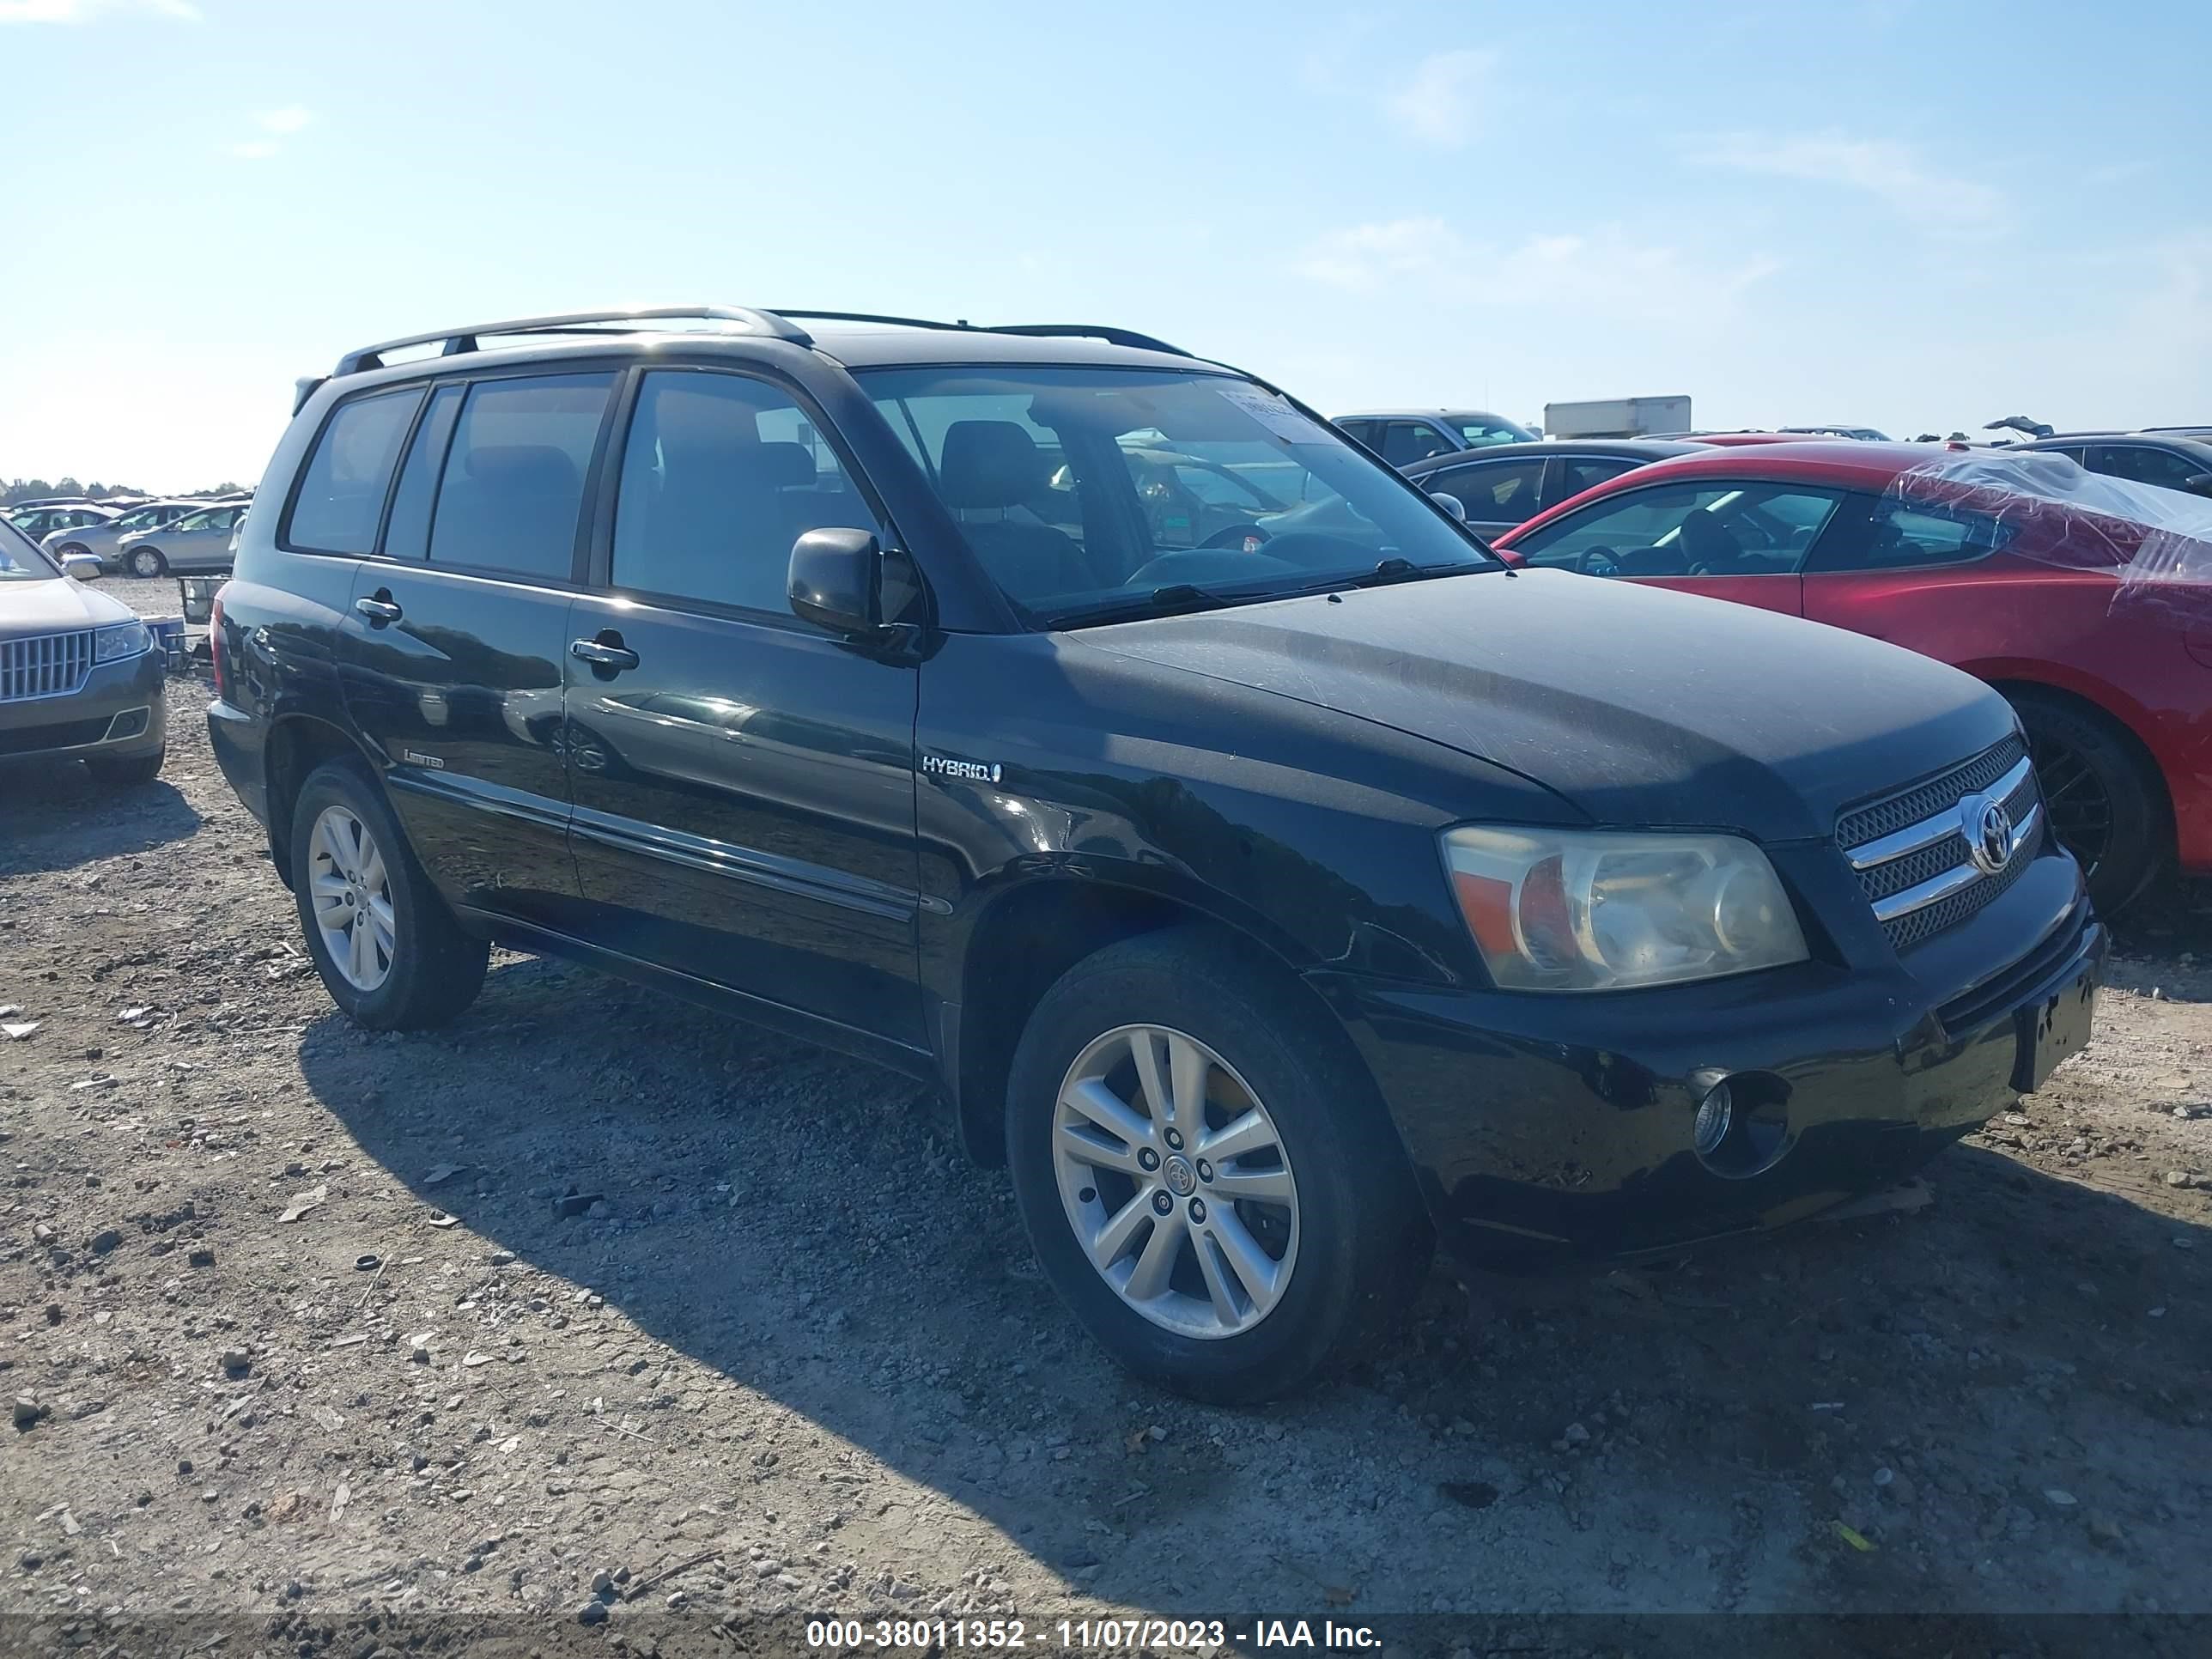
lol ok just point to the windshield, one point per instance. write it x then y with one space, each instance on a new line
20 561
1085 492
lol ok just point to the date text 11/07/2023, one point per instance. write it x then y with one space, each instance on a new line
1087 1635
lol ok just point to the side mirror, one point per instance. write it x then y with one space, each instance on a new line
83 566
1451 504
837 580
2199 485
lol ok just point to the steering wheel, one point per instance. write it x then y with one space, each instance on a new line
1599 562
1246 538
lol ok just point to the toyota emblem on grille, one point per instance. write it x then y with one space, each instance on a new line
1988 828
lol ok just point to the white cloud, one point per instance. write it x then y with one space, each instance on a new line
1892 172
279 125
84 11
1605 270
1443 104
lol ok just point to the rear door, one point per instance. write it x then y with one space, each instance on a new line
1744 541
745 785
454 648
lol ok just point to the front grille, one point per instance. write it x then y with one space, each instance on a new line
1888 816
44 665
1931 883
69 734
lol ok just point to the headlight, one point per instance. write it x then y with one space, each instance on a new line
1569 910
123 640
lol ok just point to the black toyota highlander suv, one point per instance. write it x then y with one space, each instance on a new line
1275 899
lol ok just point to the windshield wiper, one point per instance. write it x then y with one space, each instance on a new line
1174 599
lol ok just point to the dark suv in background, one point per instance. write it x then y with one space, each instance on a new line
1274 905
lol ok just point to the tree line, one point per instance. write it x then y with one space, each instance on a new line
32 489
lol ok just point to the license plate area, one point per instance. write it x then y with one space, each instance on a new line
2053 1029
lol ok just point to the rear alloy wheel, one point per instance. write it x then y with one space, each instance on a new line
2102 806
148 562
1208 1178
390 953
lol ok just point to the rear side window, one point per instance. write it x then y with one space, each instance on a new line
408 534
1405 441
342 492
513 482
1894 537
1578 473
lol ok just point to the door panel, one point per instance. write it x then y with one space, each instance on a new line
1785 594
744 781
460 695
745 809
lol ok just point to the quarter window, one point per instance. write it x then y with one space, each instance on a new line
721 474
1703 528
513 483
342 491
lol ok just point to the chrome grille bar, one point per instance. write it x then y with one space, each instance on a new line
44 665
1930 830
1959 876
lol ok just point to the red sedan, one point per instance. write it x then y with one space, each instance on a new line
2088 603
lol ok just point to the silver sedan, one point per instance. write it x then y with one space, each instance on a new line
199 541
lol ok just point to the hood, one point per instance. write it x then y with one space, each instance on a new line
55 606
1640 706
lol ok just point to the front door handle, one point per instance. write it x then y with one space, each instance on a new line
379 611
601 654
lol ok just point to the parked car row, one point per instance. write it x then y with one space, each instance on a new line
148 538
1279 890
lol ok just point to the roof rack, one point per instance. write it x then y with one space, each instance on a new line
1111 335
452 341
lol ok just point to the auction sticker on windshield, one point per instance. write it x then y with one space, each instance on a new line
1276 414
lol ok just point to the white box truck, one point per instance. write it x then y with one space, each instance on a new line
1617 417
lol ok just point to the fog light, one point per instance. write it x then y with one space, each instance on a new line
128 723
1715 1112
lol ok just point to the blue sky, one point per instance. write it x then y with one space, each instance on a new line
1917 216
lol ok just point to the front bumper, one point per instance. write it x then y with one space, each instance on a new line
118 710
1544 1129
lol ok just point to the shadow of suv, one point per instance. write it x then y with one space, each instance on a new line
1274 906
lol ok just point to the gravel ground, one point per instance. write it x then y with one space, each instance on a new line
305 1326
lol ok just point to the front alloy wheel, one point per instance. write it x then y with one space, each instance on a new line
351 890
1173 1177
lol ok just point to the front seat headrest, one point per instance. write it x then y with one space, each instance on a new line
989 464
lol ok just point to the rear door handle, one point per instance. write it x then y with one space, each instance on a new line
602 654
377 610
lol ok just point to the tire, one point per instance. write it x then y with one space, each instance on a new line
1354 1241
421 969
148 562
2102 799
118 774
72 550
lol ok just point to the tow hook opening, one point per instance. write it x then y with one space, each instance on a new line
1741 1126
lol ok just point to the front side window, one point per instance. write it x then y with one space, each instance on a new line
1495 492
1406 441
2145 464
342 491
1702 527
513 482
1080 489
721 474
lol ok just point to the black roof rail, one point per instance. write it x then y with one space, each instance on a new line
1111 335
452 341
